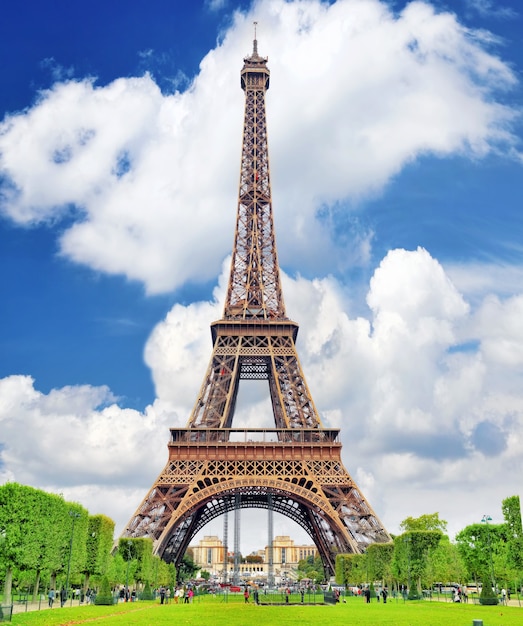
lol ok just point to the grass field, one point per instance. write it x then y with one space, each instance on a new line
214 611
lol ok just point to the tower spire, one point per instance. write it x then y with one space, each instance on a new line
254 289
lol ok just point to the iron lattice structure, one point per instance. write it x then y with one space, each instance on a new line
295 468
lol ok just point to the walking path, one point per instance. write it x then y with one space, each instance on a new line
23 607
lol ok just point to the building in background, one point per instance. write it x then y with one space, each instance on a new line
208 554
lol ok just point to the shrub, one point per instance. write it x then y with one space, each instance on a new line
487 595
147 593
104 596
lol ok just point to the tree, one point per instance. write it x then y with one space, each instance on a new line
117 569
187 568
98 546
253 558
512 513
143 553
130 549
36 533
312 568
487 595
411 557
379 557
479 546
74 548
104 595
351 569
445 564
147 593
424 522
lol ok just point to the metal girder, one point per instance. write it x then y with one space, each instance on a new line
296 467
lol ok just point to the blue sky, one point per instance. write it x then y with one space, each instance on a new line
396 161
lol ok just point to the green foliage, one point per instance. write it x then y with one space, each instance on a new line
487 595
37 532
147 593
481 547
512 513
98 545
141 550
116 570
104 595
445 563
312 568
424 522
352 569
379 559
412 552
187 568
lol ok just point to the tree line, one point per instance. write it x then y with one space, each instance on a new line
485 554
49 543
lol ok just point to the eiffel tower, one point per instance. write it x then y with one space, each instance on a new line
294 468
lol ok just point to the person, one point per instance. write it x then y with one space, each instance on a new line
162 595
503 596
246 595
256 597
191 594
367 594
63 596
50 595
384 595
167 595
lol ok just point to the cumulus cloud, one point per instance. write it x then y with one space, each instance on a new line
150 172
421 419
422 408
75 435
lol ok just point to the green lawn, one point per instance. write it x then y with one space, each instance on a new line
214 611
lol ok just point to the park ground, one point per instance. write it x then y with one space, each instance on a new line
234 612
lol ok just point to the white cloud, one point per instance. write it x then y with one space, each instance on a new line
424 418
491 8
151 172
76 435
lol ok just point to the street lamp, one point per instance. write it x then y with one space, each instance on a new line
486 519
75 516
127 575
407 540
